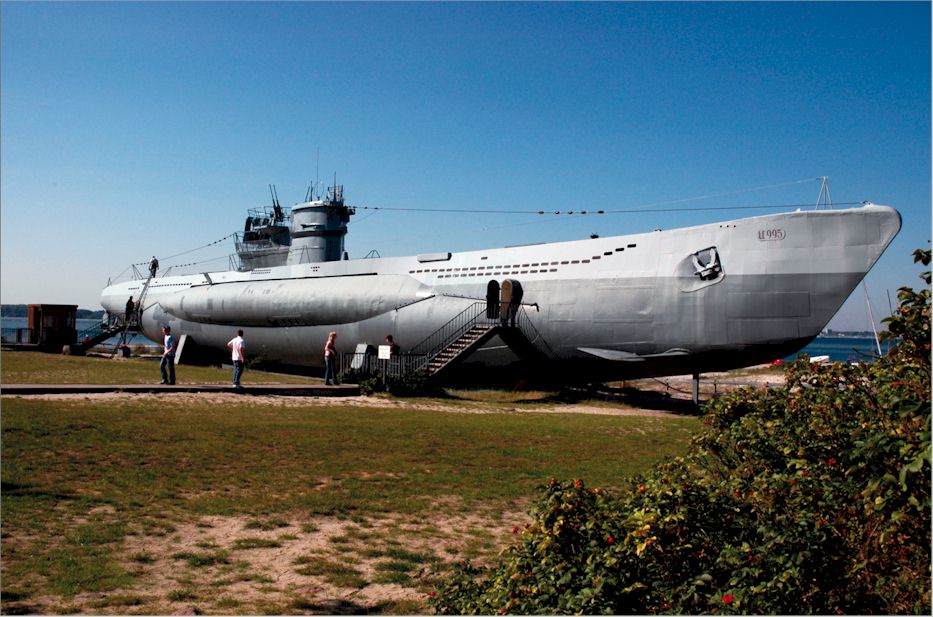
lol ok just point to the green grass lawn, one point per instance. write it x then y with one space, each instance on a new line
85 480
38 368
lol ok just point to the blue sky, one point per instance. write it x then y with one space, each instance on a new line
132 129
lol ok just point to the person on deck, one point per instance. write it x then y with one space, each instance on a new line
153 266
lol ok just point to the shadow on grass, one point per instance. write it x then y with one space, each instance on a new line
335 607
20 609
574 395
14 489
12 603
499 396
644 399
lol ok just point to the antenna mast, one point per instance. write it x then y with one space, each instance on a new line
825 200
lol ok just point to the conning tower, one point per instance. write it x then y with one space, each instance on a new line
319 228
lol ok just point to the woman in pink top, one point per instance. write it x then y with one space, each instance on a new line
330 360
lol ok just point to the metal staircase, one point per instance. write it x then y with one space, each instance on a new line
96 334
470 330
455 341
120 325
124 332
461 347
138 311
133 325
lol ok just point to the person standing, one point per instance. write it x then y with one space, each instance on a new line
153 266
129 310
393 348
330 360
237 345
167 365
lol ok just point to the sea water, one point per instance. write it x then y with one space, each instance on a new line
843 348
9 324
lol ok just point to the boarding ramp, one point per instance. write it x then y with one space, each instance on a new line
124 326
456 340
133 320
96 334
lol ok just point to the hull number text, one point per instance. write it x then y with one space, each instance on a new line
769 235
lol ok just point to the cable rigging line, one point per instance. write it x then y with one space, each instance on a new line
143 263
638 209
730 193
587 212
203 261
645 208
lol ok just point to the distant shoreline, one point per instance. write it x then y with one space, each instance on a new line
20 310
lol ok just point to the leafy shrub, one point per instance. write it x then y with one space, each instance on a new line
367 382
810 498
910 324
409 384
353 375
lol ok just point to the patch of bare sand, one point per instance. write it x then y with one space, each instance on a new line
469 407
626 398
255 580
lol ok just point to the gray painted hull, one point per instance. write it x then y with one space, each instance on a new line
608 308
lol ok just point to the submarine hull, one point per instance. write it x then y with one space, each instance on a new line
697 299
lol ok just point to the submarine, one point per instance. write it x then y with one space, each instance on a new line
688 300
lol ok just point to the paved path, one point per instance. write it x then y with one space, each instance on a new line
279 389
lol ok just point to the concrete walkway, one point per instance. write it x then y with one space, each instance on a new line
251 389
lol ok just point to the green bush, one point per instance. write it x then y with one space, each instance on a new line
409 384
810 498
910 324
367 382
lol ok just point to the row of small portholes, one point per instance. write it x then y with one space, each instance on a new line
553 263
496 273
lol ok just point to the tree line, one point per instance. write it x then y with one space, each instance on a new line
20 310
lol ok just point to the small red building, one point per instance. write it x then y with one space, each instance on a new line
52 326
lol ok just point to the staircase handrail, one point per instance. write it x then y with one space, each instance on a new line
99 332
450 331
524 324
472 315
95 330
139 307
